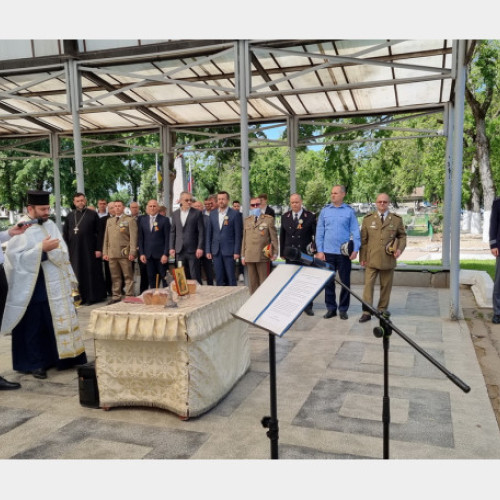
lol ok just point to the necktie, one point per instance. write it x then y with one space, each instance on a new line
296 219
117 220
256 219
382 218
151 222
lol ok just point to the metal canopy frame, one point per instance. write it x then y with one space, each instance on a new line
81 89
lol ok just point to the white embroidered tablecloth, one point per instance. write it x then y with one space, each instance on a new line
183 359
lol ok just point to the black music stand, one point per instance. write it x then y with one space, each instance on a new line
274 307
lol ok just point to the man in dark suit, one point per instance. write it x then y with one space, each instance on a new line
187 237
143 270
154 236
494 232
298 227
223 240
206 264
264 207
240 271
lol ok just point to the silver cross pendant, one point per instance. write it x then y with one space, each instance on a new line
75 230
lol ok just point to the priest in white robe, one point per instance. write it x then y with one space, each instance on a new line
39 310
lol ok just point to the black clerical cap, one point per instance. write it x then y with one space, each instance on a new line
38 197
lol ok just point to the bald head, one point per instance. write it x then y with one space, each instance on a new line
152 207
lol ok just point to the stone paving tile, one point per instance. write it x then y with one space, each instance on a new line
162 443
10 418
428 421
292 452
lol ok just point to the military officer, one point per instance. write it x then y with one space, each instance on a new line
383 239
259 246
120 250
298 227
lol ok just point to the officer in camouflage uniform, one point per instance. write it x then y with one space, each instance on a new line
259 231
120 249
383 239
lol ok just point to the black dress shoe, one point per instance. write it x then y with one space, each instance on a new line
113 301
39 373
309 312
496 319
5 385
343 315
365 317
330 314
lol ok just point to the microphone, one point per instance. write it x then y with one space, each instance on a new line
28 222
295 255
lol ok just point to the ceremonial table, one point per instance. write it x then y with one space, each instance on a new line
183 359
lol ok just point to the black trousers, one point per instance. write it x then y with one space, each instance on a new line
4 288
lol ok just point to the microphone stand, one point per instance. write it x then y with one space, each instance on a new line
384 331
271 422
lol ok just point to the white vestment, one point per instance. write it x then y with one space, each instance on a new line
23 258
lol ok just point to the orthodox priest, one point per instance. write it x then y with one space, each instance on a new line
39 310
81 232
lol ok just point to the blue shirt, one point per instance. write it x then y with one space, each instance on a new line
336 225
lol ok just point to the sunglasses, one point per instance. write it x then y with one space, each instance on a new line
255 204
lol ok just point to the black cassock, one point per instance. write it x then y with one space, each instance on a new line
81 232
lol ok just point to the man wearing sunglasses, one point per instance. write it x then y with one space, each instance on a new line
260 245
383 239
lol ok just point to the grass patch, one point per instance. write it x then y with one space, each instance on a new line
480 265
473 265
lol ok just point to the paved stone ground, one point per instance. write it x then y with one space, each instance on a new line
321 407
486 338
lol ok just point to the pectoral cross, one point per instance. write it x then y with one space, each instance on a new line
75 230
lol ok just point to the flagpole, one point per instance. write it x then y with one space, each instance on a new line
190 181
158 184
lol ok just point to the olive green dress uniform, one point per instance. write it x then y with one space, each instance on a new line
375 236
120 241
257 234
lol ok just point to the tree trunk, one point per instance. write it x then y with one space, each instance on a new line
482 156
475 226
483 160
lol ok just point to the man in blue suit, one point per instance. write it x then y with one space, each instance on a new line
223 240
154 239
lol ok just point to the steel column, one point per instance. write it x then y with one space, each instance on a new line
292 124
243 85
166 148
456 176
446 205
54 151
74 95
